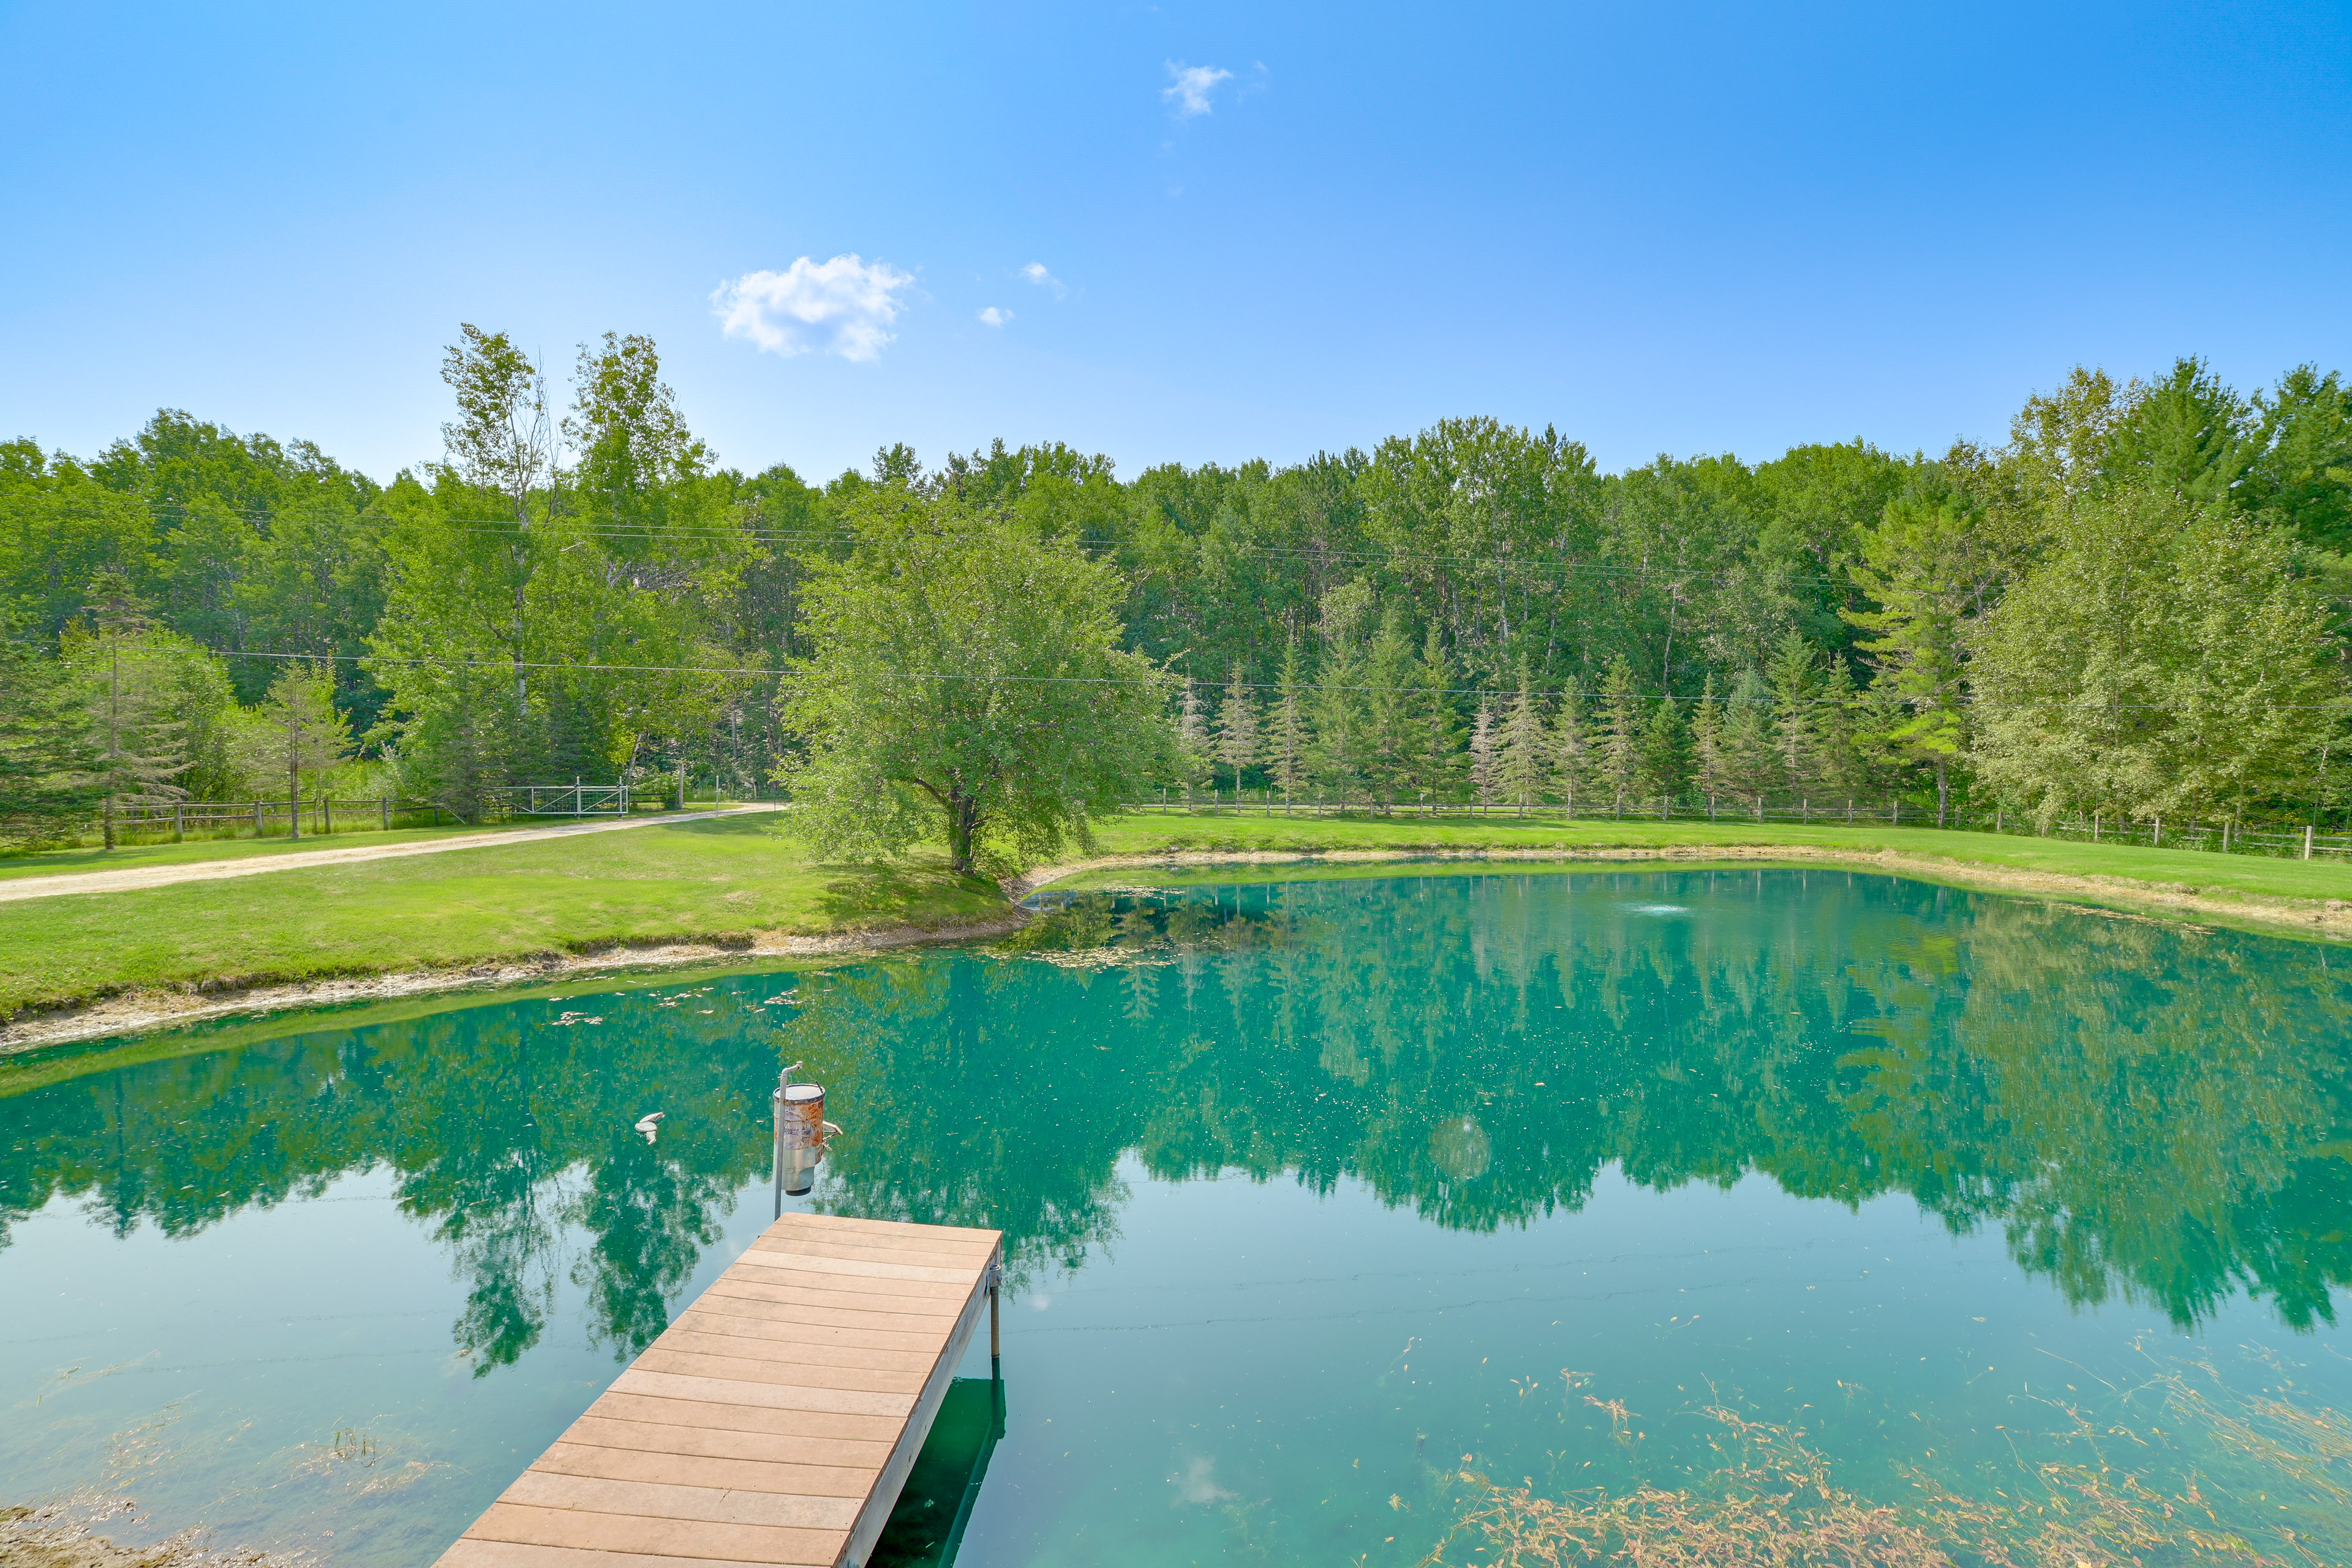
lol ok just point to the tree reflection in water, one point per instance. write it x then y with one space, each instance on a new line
2143 1110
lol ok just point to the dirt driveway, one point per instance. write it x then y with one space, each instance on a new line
135 877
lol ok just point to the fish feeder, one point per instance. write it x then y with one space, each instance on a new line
802 1132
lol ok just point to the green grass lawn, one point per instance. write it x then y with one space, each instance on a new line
2247 875
718 877
74 862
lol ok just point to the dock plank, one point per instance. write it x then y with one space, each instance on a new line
774 1422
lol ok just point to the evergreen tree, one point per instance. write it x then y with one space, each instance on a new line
1485 777
1710 769
1929 577
1194 749
48 757
1519 769
1795 675
1664 768
295 730
1340 757
1439 767
1617 748
1750 764
1288 739
1571 748
1237 728
140 735
1392 733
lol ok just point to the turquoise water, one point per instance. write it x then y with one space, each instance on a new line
1319 1194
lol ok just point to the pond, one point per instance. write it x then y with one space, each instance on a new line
1348 1218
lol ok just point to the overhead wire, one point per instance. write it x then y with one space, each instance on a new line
764 672
504 527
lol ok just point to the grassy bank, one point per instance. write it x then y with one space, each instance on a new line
2171 871
726 879
718 877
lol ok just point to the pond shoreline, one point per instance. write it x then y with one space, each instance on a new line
135 1012
138 1011
2176 903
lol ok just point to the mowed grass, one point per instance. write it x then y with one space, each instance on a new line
85 859
2248 876
718 878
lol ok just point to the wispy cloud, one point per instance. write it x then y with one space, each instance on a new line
995 316
1035 272
1190 85
842 306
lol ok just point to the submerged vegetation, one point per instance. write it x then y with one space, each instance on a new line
2204 1474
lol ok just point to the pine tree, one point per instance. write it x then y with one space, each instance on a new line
1391 734
1796 729
1484 775
1617 750
46 754
1710 769
1339 758
1440 765
1520 770
141 744
1571 748
1843 768
1664 770
1750 767
296 731
1288 740
1237 730
1927 571
1194 746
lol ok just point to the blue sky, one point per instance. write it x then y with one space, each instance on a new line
1658 228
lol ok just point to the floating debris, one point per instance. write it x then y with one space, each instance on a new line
572 1017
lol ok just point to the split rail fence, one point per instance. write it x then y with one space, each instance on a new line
323 815
2302 841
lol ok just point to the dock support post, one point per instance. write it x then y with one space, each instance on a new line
995 1339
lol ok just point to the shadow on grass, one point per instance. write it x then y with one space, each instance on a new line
920 891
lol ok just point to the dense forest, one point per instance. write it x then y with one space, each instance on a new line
2134 604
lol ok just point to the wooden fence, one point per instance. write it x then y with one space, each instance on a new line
2296 840
323 815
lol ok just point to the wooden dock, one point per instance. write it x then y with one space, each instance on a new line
774 1422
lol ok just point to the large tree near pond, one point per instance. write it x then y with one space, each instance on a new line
968 684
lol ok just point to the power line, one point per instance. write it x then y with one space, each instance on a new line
498 527
760 672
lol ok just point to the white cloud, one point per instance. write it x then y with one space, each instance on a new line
1189 87
842 306
995 316
1035 272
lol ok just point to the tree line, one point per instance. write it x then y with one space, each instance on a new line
2134 604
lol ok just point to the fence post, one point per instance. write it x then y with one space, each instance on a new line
1895 816
2308 830
256 819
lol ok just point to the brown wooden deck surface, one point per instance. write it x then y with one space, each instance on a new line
774 1422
